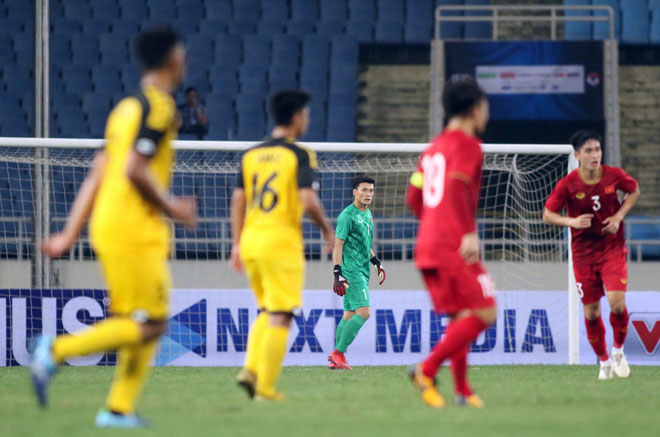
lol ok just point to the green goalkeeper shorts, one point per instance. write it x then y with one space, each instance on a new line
357 294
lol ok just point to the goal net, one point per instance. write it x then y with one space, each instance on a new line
39 180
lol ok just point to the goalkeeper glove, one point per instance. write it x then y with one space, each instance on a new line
341 284
379 267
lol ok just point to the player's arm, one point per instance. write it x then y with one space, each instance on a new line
555 203
379 266
414 193
237 214
626 183
340 284
80 210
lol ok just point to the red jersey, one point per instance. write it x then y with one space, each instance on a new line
599 199
452 157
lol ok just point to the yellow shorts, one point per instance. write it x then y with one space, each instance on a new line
138 285
277 286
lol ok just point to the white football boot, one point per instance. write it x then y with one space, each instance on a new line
606 370
620 364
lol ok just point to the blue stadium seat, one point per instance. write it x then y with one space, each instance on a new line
251 125
162 10
247 10
417 33
134 11
317 125
228 50
362 30
362 10
71 123
345 49
60 49
241 28
185 25
24 48
304 10
97 100
249 101
390 10
85 49
601 29
315 53
315 81
96 119
653 4
77 9
105 9
126 29
201 45
212 27
343 78
478 30
76 78
329 28
6 50
281 77
19 10
253 80
300 28
218 10
114 49
389 31
96 26
256 50
449 30
655 26
106 78
341 117
11 26
14 124
577 30
66 26
223 82
334 10
270 28
63 100
286 51
420 12
635 22
130 78
276 10
17 77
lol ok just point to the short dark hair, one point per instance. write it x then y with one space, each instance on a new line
461 95
582 136
283 105
154 45
189 89
357 180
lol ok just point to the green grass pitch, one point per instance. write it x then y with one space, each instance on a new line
520 400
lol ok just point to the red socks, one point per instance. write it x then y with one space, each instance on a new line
459 370
619 324
458 336
596 336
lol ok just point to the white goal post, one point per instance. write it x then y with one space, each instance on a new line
40 177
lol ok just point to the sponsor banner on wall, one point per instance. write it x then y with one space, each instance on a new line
210 327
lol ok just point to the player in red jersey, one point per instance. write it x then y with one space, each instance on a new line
595 216
443 193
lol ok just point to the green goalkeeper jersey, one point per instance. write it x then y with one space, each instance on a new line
356 228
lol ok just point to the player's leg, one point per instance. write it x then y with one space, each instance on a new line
615 278
336 356
247 377
282 283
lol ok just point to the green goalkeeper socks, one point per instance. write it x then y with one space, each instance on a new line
340 331
350 331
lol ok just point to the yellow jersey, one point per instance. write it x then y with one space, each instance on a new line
122 220
271 174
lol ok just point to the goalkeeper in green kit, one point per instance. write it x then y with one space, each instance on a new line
351 255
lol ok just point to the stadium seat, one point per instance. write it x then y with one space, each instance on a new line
256 50
655 26
185 25
389 32
130 78
420 12
478 30
304 10
96 26
66 26
635 22
315 81
11 26
77 79
228 49
125 28
6 50
162 11
20 10
218 10
390 10
114 49
280 78
106 78
17 77
363 31
100 99
275 10
60 49
286 51
450 30
300 28
362 10
316 131
269 28
223 82
247 10
105 9
212 27
77 10
251 124
85 49
345 49
343 78
253 83
334 10
577 30
414 33
221 121
96 120
329 28
601 29
63 100
316 53
241 28
134 11
71 123
200 44
341 117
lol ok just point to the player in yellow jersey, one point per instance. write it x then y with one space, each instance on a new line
275 186
126 195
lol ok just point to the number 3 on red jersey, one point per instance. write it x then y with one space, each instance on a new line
434 168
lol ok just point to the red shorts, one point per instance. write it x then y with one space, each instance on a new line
593 279
459 288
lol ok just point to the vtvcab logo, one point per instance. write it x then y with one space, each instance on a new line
645 338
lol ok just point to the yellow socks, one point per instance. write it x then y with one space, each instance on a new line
109 334
270 362
133 366
255 342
